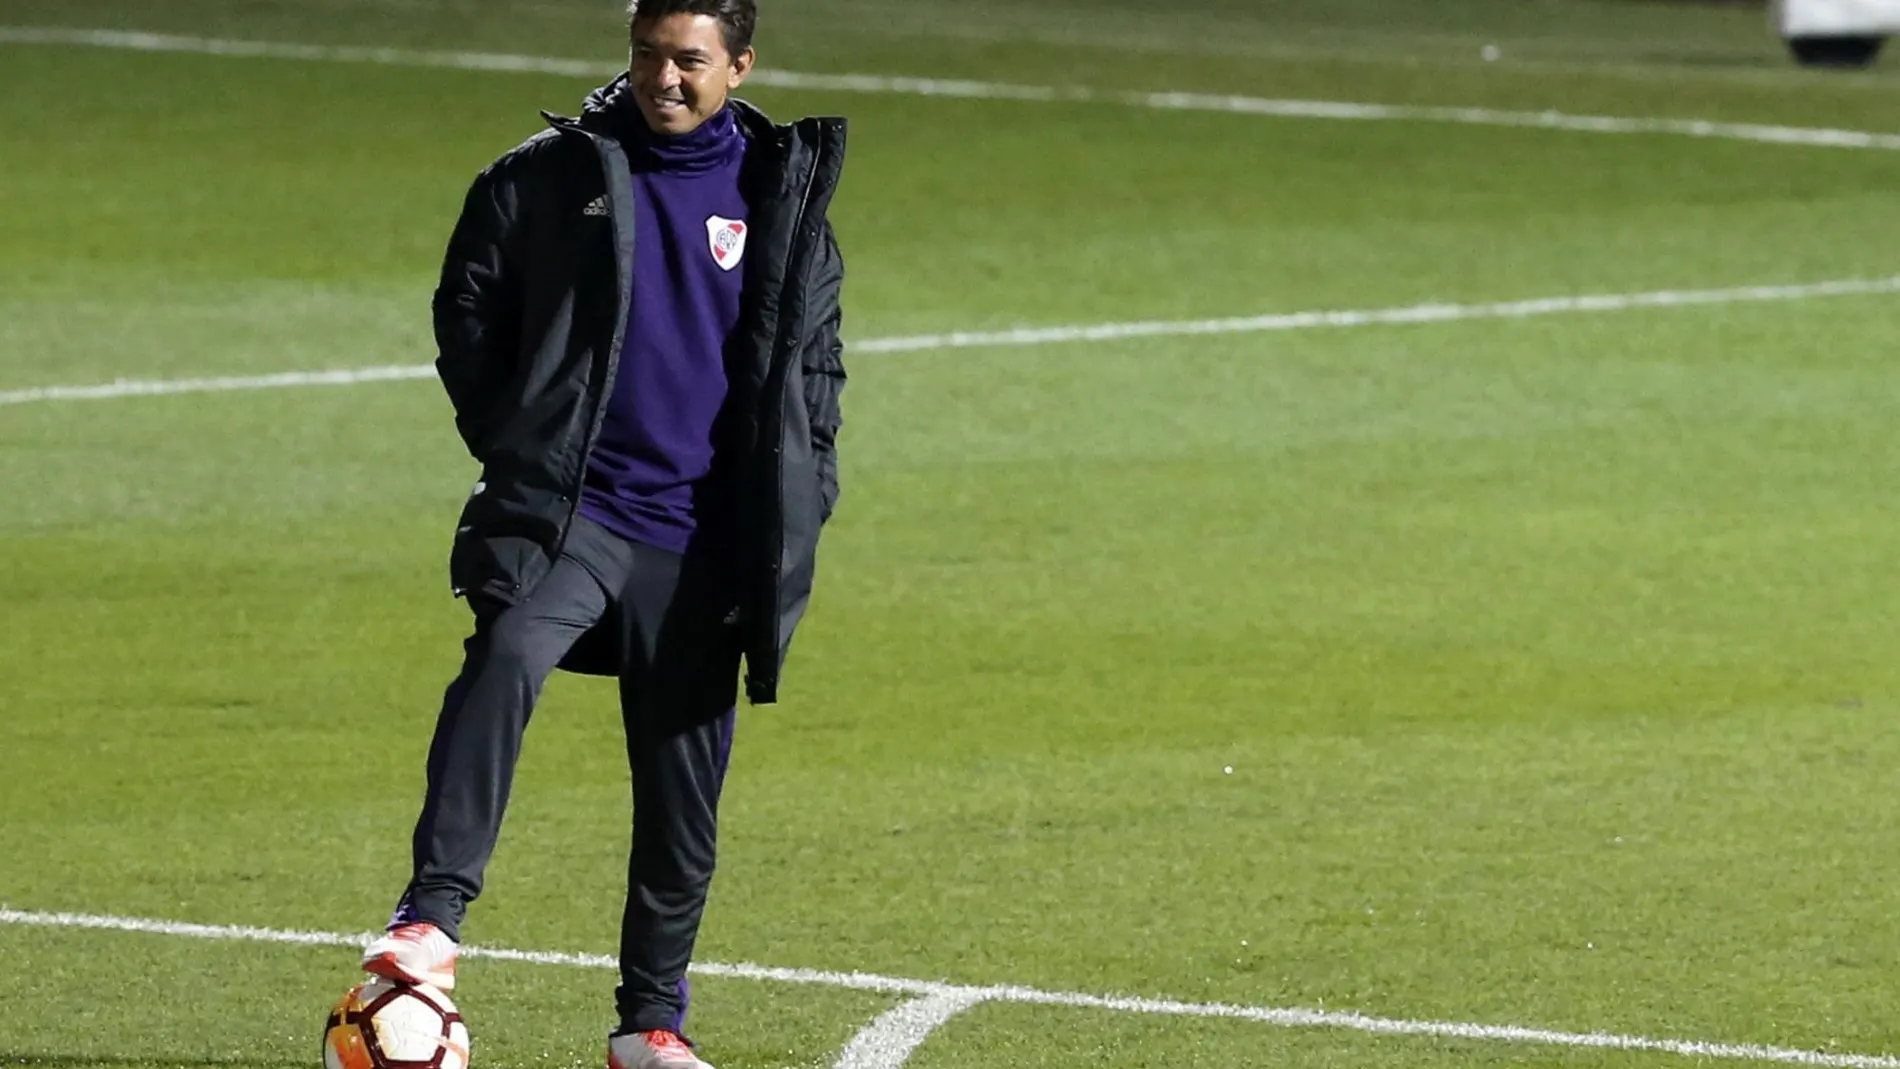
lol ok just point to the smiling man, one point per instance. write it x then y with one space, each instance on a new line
638 329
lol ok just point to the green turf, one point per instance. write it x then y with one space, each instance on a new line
1552 659
124 1005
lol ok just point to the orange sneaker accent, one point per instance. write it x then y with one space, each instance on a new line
668 1042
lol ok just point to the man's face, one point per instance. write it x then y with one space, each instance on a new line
681 71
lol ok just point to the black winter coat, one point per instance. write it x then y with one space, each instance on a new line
530 317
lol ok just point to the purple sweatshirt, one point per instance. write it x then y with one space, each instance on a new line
651 478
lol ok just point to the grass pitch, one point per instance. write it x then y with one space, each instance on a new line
1552 659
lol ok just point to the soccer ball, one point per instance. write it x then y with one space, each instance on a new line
384 1025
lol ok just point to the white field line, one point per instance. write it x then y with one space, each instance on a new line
890 1040
222 384
1372 317
1034 336
945 1000
977 90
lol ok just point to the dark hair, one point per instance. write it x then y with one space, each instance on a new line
737 18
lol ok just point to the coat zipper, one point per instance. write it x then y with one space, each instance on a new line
599 414
778 446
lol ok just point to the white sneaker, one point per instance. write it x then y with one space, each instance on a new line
413 954
652 1050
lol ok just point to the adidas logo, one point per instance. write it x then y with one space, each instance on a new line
597 206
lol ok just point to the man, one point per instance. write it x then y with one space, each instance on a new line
638 323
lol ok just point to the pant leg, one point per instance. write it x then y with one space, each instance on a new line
678 703
484 715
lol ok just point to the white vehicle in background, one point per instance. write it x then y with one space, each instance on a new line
1836 33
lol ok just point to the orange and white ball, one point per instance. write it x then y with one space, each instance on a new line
384 1025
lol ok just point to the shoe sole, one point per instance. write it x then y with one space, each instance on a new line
386 966
616 1063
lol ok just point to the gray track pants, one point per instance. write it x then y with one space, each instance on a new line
677 699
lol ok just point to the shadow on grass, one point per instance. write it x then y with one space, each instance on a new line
93 1061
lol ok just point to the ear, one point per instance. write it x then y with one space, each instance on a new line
741 66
